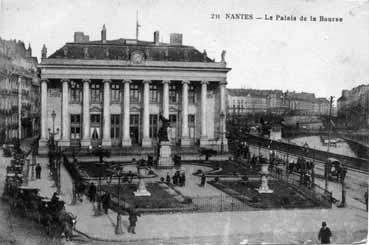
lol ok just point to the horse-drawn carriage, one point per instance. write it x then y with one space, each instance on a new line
49 213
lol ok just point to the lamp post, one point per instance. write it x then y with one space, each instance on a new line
99 152
118 227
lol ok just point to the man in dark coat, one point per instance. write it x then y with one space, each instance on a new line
133 214
106 202
92 192
324 234
38 171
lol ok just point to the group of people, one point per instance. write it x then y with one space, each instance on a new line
179 178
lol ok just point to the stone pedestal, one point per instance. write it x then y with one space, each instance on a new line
264 188
141 190
165 159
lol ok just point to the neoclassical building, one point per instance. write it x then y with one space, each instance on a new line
111 93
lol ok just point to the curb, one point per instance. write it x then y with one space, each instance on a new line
113 240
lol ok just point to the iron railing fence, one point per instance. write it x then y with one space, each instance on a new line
312 191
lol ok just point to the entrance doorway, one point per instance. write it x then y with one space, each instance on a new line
134 128
95 129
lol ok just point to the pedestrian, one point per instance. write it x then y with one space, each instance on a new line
324 234
38 171
203 180
366 200
92 192
168 179
133 214
81 190
106 202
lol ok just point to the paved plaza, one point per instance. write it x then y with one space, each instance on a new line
272 226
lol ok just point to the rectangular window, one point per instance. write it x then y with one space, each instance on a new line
173 120
153 126
173 94
154 95
96 94
115 92
134 93
75 126
75 92
95 118
191 120
134 120
115 121
191 94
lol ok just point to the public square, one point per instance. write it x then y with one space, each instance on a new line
184 123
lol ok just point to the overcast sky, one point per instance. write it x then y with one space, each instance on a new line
318 57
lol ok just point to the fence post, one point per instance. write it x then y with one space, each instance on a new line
221 203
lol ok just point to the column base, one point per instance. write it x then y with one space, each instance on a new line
106 142
126 142
146 142
185 141
64 143
85 142
204 141
42 142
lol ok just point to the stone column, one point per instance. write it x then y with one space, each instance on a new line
146 141
166 99
222 86
43 138
65 114
19 107
203 137
106 131
185 140
86 141
126 141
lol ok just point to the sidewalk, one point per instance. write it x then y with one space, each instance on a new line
277 226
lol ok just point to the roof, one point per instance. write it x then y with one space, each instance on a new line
253 92
121 49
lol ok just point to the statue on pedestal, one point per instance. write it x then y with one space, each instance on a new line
163 131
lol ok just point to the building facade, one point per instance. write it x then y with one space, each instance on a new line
111 93
353 107
19 91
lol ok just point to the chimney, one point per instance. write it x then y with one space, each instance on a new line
78 37
176 38
44 52
103 34
156 37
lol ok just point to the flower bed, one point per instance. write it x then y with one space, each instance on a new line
159 199
284 195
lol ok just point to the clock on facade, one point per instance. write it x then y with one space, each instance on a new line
137 57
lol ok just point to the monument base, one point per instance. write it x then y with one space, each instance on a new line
165 159
141 190
141 193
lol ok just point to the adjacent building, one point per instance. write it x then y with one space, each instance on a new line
19 91
253 101
112 92
353 107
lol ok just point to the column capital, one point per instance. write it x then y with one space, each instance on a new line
223 82
165 81
146 81
106 81
65 80
185 81
44 80
127 81
86 80
204 82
